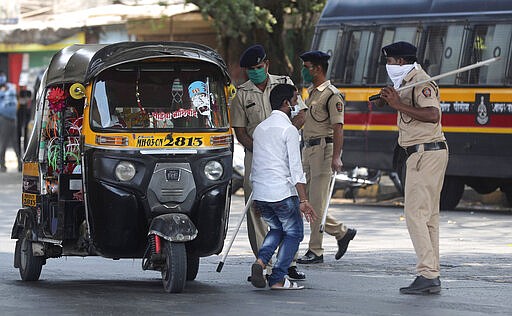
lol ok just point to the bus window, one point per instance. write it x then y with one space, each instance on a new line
452 52
495 43
436 37
358 57
327 44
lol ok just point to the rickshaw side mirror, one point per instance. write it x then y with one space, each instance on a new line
77 91
231 91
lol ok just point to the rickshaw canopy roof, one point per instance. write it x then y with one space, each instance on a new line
82 62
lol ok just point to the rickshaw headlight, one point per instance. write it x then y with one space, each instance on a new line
125 171
213 170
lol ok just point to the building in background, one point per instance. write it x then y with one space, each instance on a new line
31 31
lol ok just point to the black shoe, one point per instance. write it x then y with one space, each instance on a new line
3 169
296 275
422 285
343 243
310 258
249 278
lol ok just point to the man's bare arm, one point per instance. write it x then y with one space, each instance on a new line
243 137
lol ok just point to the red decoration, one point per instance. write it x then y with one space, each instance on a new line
56 98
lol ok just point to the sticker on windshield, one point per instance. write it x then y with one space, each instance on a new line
200 95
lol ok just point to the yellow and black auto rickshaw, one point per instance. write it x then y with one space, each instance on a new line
130 157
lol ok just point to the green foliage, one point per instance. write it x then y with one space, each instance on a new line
284 27
234 18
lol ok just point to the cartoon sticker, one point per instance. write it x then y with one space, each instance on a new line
200 96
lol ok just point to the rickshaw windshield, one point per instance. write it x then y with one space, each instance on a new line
158 95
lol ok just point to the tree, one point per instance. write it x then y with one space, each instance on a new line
284 27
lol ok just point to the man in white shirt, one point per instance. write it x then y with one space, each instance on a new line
277 178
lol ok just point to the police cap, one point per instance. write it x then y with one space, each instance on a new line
315 56
399 49
253 56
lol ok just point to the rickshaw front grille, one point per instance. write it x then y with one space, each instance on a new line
171 184
166 192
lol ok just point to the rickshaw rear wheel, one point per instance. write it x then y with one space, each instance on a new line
30 265
192 267
174 271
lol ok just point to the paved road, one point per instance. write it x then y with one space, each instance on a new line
476 251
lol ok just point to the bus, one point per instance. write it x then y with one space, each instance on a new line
449 34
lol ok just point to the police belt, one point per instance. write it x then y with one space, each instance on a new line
316 141
426 147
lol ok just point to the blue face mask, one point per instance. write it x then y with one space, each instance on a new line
3 80
258 75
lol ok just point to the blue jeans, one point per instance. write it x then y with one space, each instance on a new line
286 229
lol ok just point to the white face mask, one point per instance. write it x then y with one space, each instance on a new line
294 110
397 73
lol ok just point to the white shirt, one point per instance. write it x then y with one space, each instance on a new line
276 161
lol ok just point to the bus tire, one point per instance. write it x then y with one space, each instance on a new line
482 186
507 190
453 188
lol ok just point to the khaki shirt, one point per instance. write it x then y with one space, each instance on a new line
411 131
251 105
321 116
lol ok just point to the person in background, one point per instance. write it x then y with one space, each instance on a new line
277 178
23 117
8 108
420 134
250 107
323 142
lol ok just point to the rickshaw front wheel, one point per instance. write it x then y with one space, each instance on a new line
174 272
30 265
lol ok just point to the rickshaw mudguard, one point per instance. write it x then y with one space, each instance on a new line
24 219
173 227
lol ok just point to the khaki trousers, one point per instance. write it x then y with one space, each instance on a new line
423 184
257 228
316 162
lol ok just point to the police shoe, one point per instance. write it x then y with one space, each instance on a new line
422 285
310 258
343 243
295 274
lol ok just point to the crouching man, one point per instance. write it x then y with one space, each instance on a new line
279 190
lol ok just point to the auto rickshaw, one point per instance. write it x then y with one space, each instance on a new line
130 157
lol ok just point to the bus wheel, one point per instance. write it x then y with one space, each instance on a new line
30 266
192 267
482 186
175 270
452 191
507 189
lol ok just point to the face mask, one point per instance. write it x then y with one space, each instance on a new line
257 76
294 110
397 73
3 80
306 75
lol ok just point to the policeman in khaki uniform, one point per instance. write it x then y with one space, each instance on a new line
420 134
250 107
323 141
